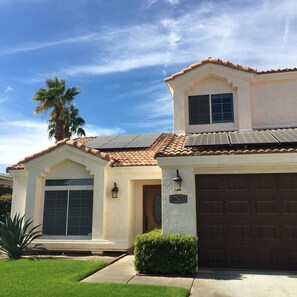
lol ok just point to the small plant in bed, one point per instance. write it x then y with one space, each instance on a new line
16 234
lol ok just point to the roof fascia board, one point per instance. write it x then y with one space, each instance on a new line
66 147
272 77
255 160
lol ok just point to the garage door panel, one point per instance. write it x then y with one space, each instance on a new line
211 207
288 182
241 207
248 221
236 183
263 182
266 207
289 207
209 183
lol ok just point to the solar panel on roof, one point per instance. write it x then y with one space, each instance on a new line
123 141
143 140
99 141
252 137
208 139
285 136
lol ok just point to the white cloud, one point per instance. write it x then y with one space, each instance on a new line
3 99
32 46
160 107
92 130
174 2
8 89
253 34
21 138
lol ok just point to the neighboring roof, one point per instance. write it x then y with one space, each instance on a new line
73 143
4 176
174 146
117 157
226 64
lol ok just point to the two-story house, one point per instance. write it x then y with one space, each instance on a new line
227 173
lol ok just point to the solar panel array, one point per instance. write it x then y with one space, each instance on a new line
123 141
208 139
268 137
252 137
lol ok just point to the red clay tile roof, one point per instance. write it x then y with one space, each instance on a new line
117 157
174 146
136 156
74 143
226 64
167 145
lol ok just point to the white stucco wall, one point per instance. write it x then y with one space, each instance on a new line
274 101
181 218
19 192
178 218
260 101
124 214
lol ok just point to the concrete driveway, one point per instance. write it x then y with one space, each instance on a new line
234 283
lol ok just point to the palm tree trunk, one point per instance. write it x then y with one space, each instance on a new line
59 133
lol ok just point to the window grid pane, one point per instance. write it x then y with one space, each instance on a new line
70 182
80 212
222 108
55 210
77 214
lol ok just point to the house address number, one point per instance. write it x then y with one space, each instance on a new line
178 198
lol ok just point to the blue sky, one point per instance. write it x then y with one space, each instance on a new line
118 53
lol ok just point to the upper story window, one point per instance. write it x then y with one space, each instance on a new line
211 109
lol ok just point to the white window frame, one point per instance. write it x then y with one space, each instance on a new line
68 189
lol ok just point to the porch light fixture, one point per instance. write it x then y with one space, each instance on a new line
177 182
114 191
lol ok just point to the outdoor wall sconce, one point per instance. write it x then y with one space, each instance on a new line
114 191
177 182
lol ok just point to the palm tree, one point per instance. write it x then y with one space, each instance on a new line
55 97
72 123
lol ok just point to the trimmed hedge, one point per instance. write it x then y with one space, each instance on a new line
5 206
165 254
4 191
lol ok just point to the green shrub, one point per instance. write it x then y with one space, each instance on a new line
165 254
5 206
5 191
16 234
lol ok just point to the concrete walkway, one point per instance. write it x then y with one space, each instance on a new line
208 283
123 272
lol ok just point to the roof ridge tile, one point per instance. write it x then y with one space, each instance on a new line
229 64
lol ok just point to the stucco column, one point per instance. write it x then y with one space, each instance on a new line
244 105
30 195
179 111
98 203
19 192
179 218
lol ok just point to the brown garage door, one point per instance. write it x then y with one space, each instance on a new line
247 221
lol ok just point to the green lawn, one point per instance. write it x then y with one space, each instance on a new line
47 277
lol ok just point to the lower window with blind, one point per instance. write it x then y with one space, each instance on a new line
68 212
